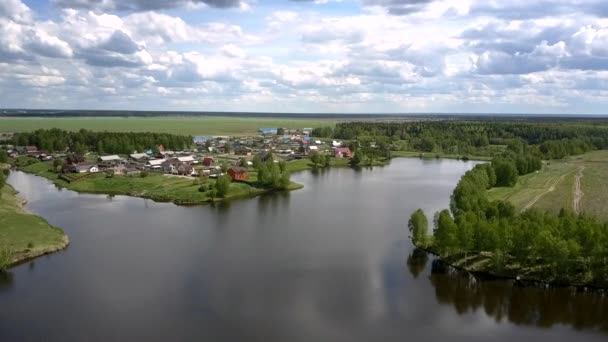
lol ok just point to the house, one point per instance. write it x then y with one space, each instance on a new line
336 143
242 151
200 140
31 150
343 152
138 156
208 161
109 159
187 159
264 156
155 164
131 171
238 173
267 131
82 168
176 167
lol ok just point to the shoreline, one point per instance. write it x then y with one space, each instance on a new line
29 255
517 279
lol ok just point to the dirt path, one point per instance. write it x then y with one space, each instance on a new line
578 191
537 198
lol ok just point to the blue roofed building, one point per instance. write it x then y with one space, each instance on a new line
266 131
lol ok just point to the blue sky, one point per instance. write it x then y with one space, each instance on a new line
340 56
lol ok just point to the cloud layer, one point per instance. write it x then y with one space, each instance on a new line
321 56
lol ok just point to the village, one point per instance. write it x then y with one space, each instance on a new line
212 156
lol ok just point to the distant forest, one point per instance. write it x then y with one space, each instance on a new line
103 142
548 140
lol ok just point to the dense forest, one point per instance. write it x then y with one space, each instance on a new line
564 248
54 140
548 140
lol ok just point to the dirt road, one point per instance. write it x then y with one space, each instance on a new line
578 191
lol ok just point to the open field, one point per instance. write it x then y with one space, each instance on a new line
555 186
175 125
23 234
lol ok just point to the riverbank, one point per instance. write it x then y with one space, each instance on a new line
23 235
431 155
156 187
481 264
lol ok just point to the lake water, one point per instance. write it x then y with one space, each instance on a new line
330 262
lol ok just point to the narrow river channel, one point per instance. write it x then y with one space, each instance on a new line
330 262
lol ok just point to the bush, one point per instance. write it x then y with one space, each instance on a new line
143 174
5 258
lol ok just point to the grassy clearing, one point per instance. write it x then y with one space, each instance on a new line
174 125
25 235
552 188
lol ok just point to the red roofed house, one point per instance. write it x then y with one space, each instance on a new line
343 152
208 161
238 173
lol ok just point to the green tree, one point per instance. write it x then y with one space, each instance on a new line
280 131
257 162
419 228
3 156
446 233
315 157
222 185
243 162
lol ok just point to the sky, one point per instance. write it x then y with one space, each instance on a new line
335 56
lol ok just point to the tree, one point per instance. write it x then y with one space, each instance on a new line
506 172
57 165
257 162
227 148
243 162
327 160
3 156
315 157
419 228
356 159
280 131
222 185
446 233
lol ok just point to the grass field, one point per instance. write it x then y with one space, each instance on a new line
24 234
553 187
176 125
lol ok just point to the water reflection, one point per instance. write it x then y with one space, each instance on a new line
416 262
522 306
6 281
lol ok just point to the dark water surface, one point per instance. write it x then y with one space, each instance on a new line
330 262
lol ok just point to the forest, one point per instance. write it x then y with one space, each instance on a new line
564 248
547 140
57 140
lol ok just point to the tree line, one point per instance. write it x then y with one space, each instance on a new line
57 140
548 140
565 247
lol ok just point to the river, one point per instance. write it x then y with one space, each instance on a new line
330 262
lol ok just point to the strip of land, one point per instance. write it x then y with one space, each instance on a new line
23 235
174 125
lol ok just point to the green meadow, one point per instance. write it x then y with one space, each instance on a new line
176 125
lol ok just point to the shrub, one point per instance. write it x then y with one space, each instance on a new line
143 174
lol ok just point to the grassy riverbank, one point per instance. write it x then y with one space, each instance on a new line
157 187
482 263
216 125
555 186
22 234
